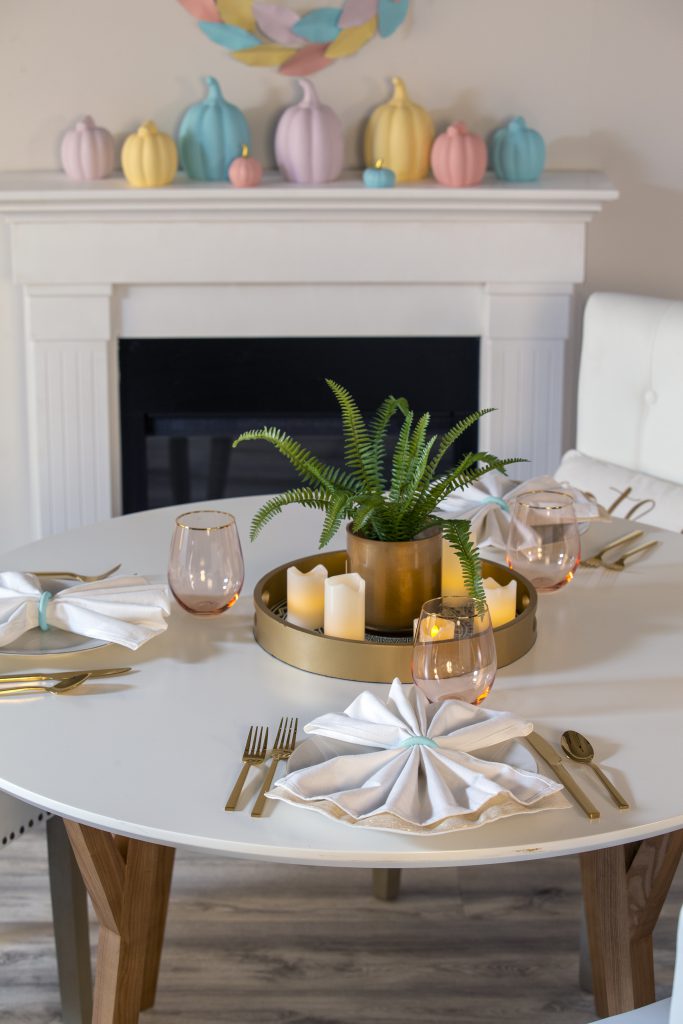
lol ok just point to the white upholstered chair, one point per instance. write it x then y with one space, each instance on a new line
630 408
665 1011
69 905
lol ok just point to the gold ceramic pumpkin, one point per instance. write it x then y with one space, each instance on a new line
400 134
149 157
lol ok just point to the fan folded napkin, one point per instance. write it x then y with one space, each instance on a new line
123 610
416 767
487 502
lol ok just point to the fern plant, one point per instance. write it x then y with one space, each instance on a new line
387 499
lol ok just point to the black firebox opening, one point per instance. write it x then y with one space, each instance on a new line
183 401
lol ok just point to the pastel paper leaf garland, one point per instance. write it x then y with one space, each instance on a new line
268 35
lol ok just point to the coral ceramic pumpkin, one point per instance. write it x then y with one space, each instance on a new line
149 157
400 133
211 135
458 157
87 151
245 171
309 142
517 152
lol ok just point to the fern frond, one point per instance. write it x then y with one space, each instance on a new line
311 470
339 508
379 426
457 533
305 496
452 435
356 437
399 463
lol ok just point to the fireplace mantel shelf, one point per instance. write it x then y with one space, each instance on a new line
39 195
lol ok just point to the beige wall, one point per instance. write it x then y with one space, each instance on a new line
601 79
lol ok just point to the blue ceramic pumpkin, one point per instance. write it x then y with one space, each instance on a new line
517 152
379 176
211 135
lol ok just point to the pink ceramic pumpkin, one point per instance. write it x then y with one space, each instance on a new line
309 142
245 171
458 157
87 151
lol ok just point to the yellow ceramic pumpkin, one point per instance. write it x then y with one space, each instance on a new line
149 157
400 133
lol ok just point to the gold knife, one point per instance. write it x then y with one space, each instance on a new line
45 677
553 758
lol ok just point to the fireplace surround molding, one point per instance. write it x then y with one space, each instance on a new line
92 263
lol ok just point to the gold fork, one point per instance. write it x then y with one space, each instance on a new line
595 561
81 577
285 741
619 564
254 754
63 686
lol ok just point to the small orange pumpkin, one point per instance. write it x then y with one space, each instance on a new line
245 171
459 157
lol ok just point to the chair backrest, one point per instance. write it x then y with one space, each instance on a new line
630 407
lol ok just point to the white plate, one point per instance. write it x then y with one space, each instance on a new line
52 641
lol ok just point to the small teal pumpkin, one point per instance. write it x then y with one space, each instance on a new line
517 152
379 176
211 135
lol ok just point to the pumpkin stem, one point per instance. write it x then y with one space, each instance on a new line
213 89
400 92
310 97
85 124
517 124
148 128
245 150
457 128
379 164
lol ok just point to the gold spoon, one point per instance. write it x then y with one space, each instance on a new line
63 686
580 749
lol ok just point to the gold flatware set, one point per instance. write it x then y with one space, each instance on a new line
256 753
61 682
597 560
579 749
78 576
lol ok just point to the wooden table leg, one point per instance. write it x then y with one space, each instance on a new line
624 888
128 882
386 883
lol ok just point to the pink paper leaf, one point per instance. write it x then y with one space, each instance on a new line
275 23
357 12
307 61
204 10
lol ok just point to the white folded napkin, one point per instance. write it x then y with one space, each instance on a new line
486 503
125 610
410 766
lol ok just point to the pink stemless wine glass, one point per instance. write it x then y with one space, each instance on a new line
206 568
543 540
454 652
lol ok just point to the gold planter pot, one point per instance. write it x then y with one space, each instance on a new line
399 577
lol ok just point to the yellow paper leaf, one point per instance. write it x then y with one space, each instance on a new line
269 55
237 12
350 40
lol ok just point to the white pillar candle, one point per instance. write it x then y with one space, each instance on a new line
345 606
452 581
502 601
306 596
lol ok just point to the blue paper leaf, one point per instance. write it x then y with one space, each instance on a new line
319 26
391 14
230 36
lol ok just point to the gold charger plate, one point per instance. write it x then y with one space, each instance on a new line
377 659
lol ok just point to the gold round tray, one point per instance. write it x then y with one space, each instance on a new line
377 659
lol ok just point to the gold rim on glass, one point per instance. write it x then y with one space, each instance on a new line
205 512
546 505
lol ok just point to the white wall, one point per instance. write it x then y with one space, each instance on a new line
601 79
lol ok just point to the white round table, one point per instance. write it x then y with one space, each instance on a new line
153 755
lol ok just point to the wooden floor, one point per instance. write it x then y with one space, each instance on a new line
258 944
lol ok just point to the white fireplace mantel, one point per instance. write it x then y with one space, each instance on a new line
98 261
